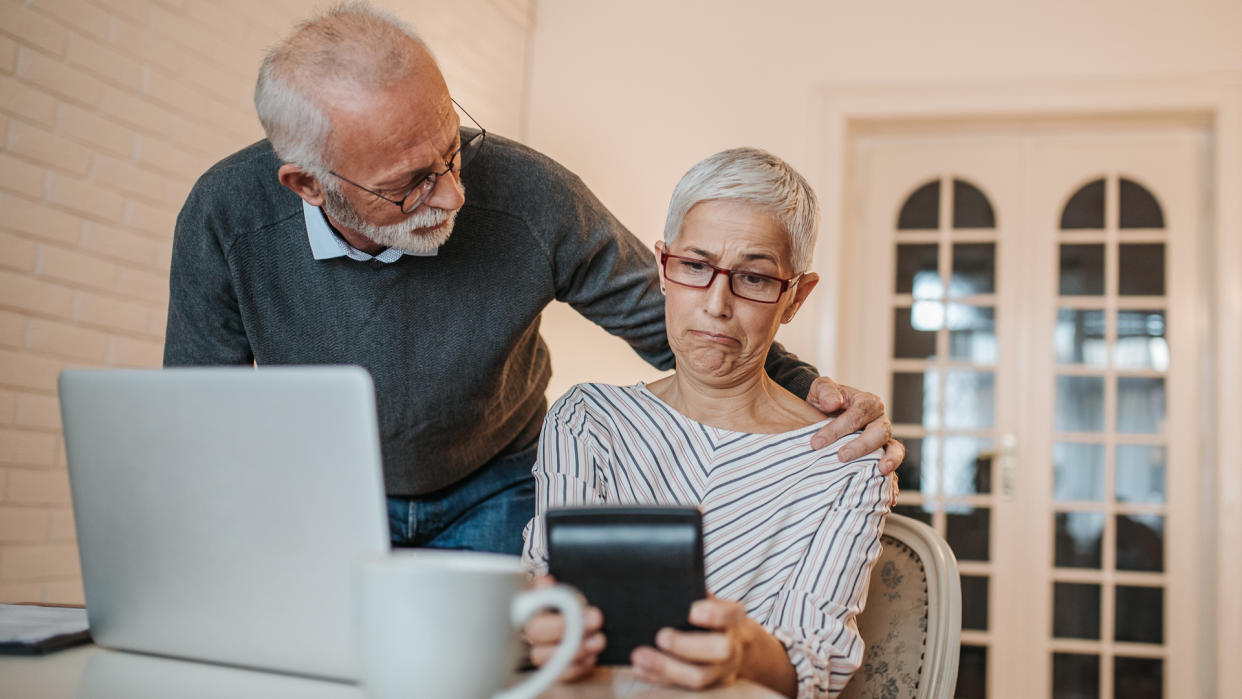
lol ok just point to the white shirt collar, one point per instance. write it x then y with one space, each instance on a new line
326 245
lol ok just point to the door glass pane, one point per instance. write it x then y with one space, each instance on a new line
910 475
1080 404
1078 471
975 602
1086 208
909 340
1079 337
1142 269
1140 405
1138 678
1079 539
973 269
1082 270
1139 209
914 398
969 399
1075 676
1140 542
972 673
1140 614
1076 610
921 210
967 466
971 208
916 271
967 531
1140 341
922 513
972 333
1140 474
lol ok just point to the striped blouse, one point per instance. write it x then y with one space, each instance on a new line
788 531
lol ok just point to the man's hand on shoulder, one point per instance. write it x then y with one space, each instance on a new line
855 410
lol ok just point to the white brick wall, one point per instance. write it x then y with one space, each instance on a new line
109 110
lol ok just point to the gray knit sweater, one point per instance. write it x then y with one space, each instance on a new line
452 341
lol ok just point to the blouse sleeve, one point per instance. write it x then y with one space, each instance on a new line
568 470
813 615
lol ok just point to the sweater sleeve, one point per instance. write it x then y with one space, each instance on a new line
204 319
813 614
567 470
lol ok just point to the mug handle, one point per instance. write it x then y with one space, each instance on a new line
567 601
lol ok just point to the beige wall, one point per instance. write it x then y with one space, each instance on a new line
109 110
631 94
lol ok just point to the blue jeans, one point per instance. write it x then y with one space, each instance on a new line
484 512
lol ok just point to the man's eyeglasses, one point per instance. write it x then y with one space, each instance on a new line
427 184
698 274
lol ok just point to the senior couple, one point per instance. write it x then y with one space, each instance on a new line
347 237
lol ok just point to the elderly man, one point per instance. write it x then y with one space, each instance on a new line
346 237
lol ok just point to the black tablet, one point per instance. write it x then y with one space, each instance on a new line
642 566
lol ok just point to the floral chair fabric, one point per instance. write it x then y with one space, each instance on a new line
894 626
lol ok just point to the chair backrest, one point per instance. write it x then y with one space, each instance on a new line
912 621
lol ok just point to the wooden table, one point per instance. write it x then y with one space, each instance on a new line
90 672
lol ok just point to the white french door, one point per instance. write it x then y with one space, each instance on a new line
1038 333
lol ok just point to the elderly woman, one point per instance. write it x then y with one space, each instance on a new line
790 533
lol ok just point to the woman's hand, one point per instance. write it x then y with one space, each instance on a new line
859 410
544 632
732 645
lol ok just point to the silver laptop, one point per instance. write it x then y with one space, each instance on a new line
221 512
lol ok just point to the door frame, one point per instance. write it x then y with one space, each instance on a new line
841 112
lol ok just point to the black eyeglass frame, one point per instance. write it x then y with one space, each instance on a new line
429 181
730 273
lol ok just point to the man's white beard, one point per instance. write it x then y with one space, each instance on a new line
394 235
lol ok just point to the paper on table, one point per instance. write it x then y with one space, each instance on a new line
23 625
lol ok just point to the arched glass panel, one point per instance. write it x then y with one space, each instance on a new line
922 209
1139 208
971 208
1086 208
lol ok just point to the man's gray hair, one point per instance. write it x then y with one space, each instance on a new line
759 178
352 46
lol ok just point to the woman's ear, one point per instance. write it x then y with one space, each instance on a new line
806 284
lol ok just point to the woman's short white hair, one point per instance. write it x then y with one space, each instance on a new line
759 178
353 44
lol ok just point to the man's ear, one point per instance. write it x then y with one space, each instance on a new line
659 248
301 183
805 285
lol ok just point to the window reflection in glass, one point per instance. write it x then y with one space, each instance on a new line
1082 270
967 466
1076 610
1078 472
1079 337
1140 405
1141 341
1080 404
921 210
1141 269
910 341
916 270
973 269
969 399
1140 473
1140 678
915 396
967 530
1140 542
1140 614
1079 539
972 333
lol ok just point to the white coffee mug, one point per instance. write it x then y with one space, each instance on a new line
445 624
